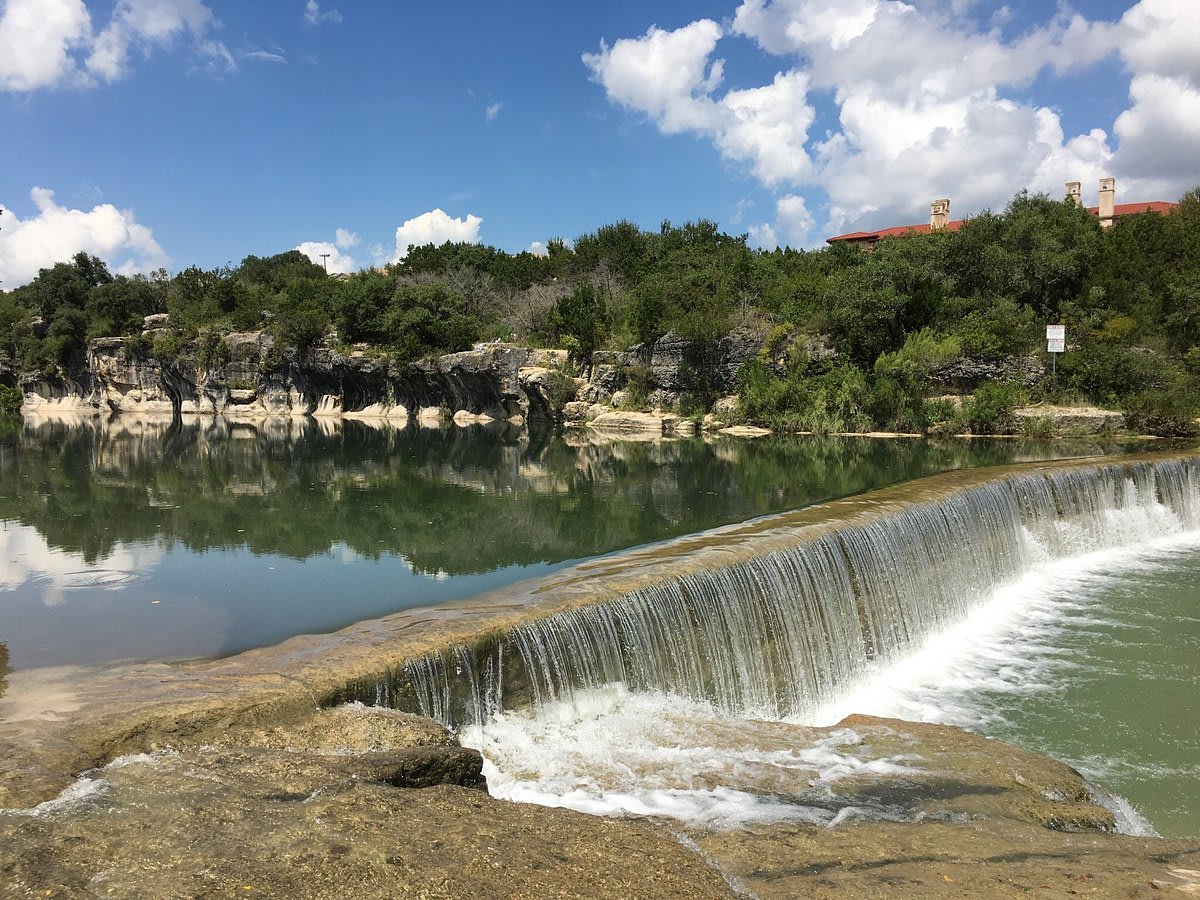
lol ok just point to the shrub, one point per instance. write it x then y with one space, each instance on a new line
10 399
211 349
1169 412
136 347
639 382
559 390
1038 428
990 408
944 415
921 353
830 402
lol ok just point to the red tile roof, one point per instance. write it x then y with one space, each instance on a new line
1120 209
1130 209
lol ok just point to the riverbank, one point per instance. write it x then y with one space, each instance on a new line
662 389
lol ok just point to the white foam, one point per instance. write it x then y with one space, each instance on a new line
612 752
88 786
608 751
1006 645
78 791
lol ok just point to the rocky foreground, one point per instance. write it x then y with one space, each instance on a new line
362 802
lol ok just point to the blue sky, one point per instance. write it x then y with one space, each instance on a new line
173 132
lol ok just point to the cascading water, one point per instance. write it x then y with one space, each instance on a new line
778 635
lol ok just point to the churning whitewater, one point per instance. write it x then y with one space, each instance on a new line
633 704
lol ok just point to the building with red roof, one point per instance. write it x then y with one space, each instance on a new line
939 218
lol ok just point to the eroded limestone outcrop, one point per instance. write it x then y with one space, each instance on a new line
248 377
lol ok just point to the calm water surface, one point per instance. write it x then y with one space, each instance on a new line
136 540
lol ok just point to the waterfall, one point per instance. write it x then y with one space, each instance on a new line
774 634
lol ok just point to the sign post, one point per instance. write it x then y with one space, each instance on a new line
1056 343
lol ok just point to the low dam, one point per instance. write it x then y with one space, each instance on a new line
774 619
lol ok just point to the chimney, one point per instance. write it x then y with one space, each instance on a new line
939 214
1108 190
1074 193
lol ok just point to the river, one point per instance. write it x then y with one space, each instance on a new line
132 540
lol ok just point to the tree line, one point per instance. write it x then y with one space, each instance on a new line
1129 296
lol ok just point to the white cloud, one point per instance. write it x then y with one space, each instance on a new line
143 24
214 58
665 74
768 127
259 55
36 41
56 234
1160 37
763 236
928 104
494 110
338 262
345 239
668 76
50 43
792 220
1160 132
537 248
314 16
436 227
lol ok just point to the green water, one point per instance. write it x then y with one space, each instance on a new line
1113 684
135 540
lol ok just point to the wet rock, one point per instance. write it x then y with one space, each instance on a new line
224 823
418 767
349 728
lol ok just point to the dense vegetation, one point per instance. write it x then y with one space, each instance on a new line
1129 296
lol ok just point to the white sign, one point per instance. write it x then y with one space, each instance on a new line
1056 338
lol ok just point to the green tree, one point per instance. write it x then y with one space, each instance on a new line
580 318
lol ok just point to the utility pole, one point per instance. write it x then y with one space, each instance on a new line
325 260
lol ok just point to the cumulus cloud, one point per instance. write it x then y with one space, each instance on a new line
338 263
665 74
927 103
37 38
669 76
537 248
1159 37
57 233
49 43
436 227
793 222
763 236
345 239
314 15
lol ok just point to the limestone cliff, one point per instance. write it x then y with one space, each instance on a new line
248 377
